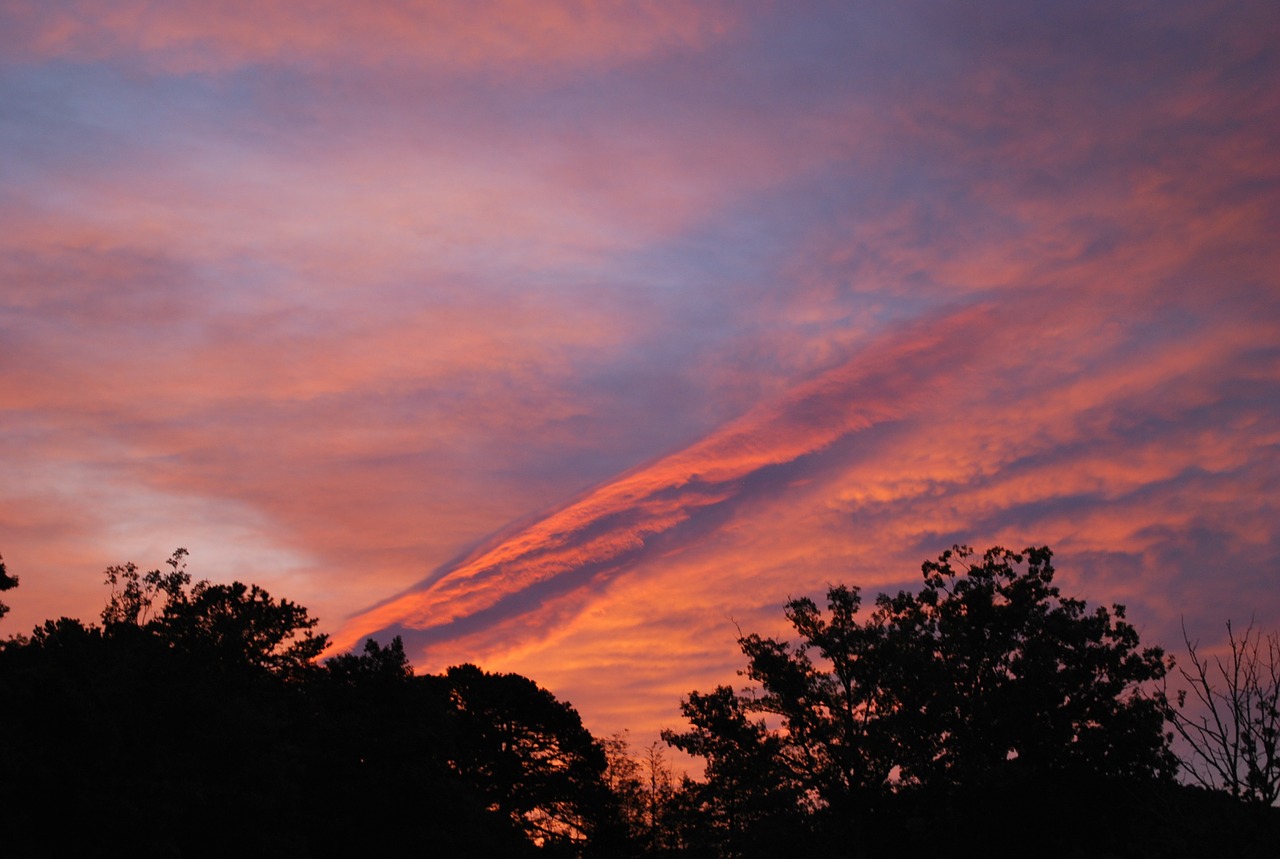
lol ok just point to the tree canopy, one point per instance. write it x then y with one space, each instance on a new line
985 675
198 720
983 707
528 755
7 582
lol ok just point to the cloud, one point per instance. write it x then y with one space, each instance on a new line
183 37
1105 410
607 529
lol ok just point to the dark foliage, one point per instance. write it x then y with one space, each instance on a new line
751 801
196 722
528 757
1008 673
7 582
984 710
643 789
984 682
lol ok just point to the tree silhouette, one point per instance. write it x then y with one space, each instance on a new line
195 721
242 625
7 582
235 625
1234 733
644 791
1008 672
985 676
198 720
750 802
380 745
529 756
133 593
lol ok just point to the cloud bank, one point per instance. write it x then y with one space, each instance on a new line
563 339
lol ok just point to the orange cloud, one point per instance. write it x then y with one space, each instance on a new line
1018 423
605 529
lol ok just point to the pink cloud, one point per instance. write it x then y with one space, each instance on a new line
183 37
608 526
1066 414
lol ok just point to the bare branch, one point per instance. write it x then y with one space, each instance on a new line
1234 734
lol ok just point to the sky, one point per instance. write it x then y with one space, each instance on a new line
571 338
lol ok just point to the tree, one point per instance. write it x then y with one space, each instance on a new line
194 722
133 594
240 625
835 718
387 665
750 803
1233 735
529 755
659 791
7 582
645 792
986 675
625 779
235 625
1008 670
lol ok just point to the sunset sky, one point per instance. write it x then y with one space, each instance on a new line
567 338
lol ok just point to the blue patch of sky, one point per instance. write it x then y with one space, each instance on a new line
92 114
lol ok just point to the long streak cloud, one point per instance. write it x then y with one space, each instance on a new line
600 534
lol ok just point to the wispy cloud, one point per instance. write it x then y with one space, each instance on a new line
600 534
184 37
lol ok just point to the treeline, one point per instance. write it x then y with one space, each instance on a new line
194 720
984 710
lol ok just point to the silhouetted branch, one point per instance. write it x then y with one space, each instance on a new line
1233 738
